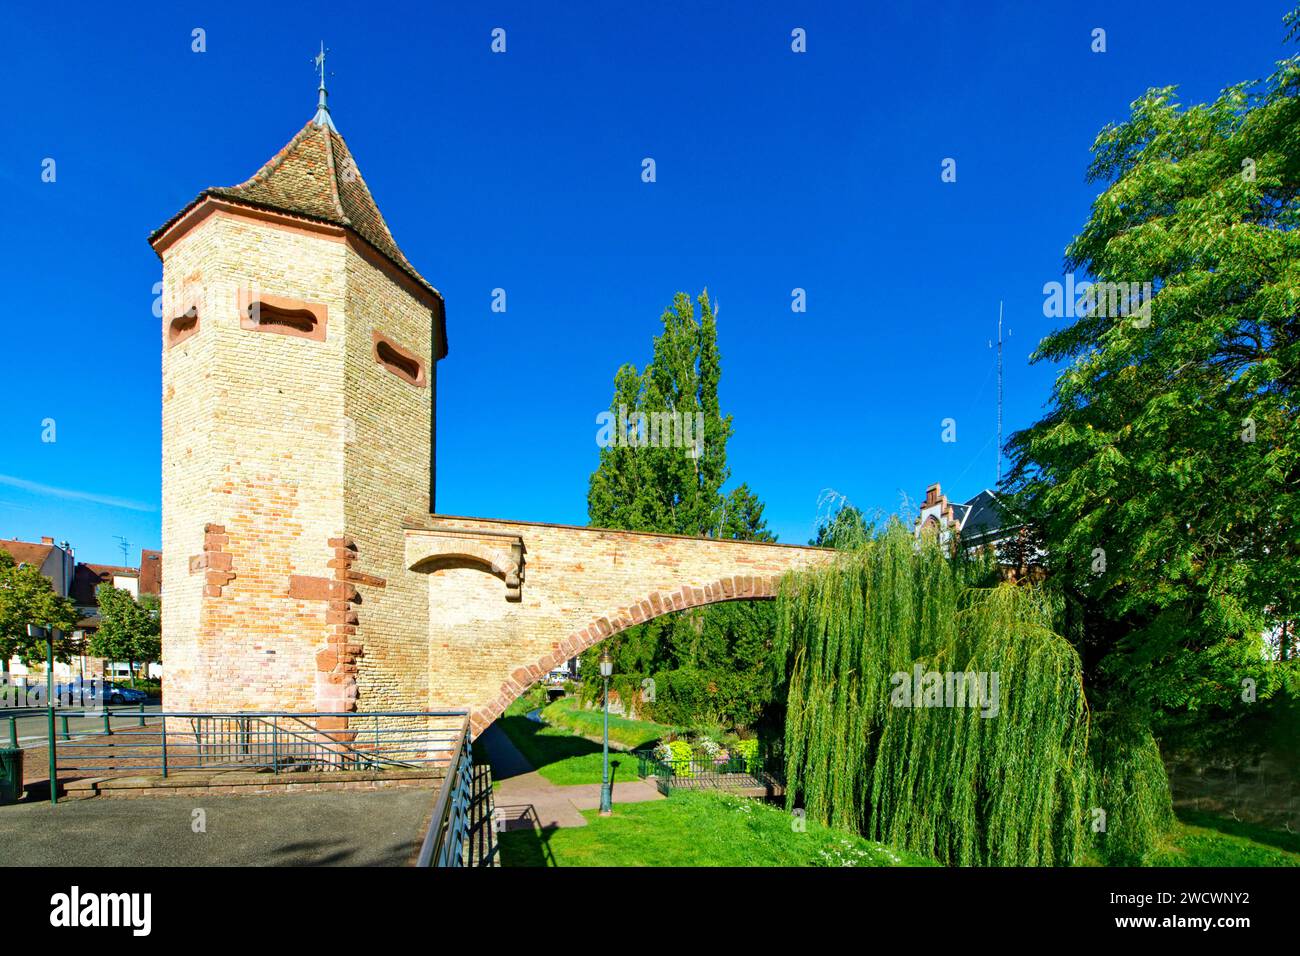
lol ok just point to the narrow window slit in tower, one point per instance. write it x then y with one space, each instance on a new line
261 312
183 326
399 361
301 321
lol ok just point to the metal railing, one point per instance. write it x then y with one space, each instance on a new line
278 741
762 770
444 844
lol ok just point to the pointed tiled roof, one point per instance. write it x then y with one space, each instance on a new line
314 176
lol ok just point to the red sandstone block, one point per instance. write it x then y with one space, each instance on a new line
521 676
214 529
215 542
211 590
341 590
343 542
308 588
326 660
728 587
657 603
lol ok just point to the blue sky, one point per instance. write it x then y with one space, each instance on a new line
775 170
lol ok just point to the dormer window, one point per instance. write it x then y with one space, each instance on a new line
402 362
183 326
259 312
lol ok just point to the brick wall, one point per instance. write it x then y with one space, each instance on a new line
253 464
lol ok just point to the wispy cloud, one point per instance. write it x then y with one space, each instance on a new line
73 494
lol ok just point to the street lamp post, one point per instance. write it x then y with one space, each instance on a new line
35 630
606 668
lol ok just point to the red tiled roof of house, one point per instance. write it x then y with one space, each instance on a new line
315 176
150 572
26 552
87 577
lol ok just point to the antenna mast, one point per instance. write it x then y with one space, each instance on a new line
126 548
999 394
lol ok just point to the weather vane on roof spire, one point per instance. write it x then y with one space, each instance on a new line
322 117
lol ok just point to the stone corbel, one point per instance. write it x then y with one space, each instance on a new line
432 549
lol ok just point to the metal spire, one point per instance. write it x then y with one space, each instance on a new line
322 117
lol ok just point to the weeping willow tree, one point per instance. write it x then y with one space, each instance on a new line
930 713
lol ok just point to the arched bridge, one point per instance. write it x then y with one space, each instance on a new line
510 600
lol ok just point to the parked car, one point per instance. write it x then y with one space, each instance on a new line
117 694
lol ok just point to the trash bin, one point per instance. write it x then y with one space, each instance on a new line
11 774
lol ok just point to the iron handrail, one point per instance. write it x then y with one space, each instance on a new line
449 823
251 738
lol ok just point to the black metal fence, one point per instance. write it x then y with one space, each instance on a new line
753 773
275 741
449 824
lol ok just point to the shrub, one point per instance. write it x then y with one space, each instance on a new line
708 747
747 750
677 755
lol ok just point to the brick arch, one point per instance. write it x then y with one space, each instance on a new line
502 556
746 587
495 563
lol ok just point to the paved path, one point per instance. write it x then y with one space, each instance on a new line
341 828
527 800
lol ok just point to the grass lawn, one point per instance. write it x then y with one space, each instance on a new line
563 757
696 828
1203 839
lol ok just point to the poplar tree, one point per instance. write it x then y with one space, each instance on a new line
710 663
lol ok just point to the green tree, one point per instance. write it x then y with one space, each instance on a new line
27 597
129 630
1165 478
844 526
675 490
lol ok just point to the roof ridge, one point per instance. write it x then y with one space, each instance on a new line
331 163
264 171
382 220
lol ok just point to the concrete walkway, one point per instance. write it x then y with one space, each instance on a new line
344 828
527 800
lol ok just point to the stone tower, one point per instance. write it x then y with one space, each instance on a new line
299 379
